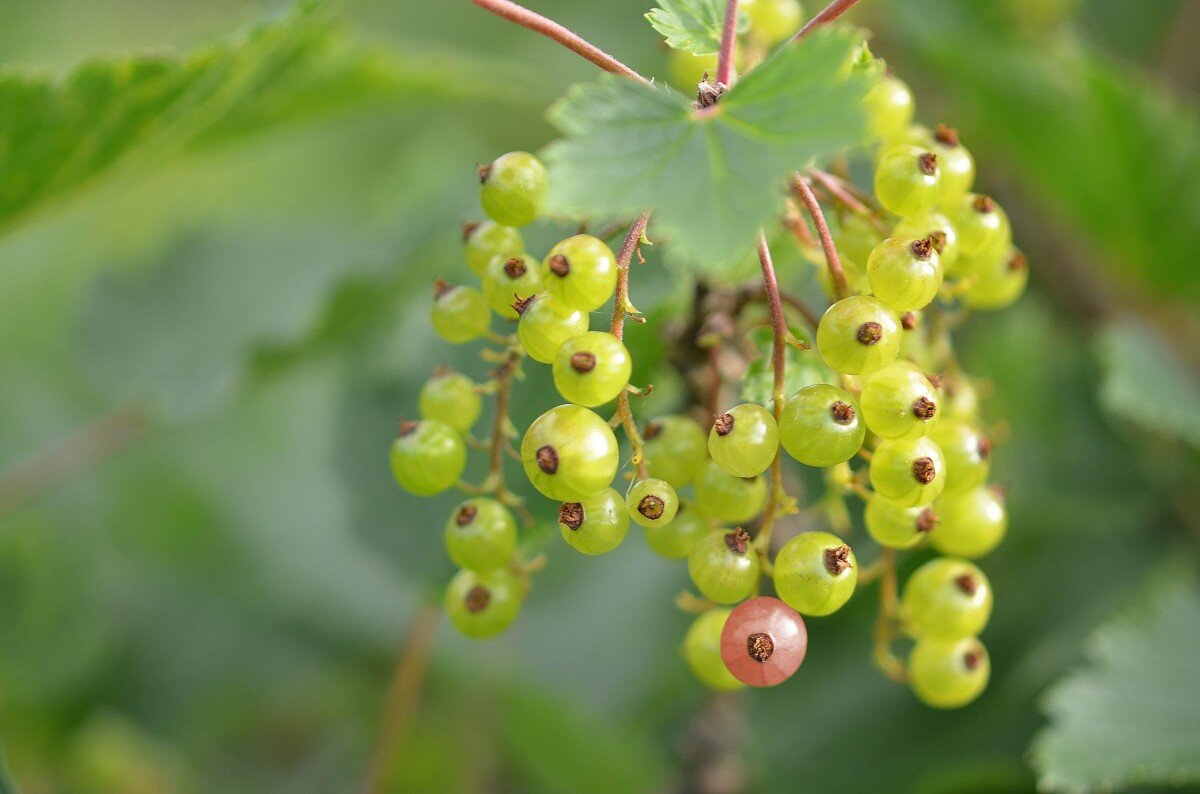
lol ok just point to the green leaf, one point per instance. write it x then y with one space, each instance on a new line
1132 715
801 368
712 178
58 135
1145 383
692 25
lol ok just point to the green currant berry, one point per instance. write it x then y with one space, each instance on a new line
428 457
905 273
815 573
513 188
450 397
822 426
459 314
686 69
581 271
481 535
772 21
898 527
545 324
745 440
592 368
890 108
908 471
482 605
899 402
907 180
856 237
508 280
652 503
939 230
595 524
982 225
998 284
956 163
948 674
973 523
677 539
947 598
702 648
967 453
729 498
724 566
569 452
959 398
488 240
675 449
858 335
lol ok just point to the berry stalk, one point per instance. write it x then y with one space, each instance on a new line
617 329
804 193
728 42
885 623
552 30
779 340
828 14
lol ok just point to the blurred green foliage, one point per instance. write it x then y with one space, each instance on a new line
227 246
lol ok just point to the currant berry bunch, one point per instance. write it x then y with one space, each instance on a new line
882 407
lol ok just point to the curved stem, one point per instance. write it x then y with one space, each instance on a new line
779 333
803 192
617 329
827 15
837 189
728 42
885 624
551 29
403 698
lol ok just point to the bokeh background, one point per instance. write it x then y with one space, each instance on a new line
213 310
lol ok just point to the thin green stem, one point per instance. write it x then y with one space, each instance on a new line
617 327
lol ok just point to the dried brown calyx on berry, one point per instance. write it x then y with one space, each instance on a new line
923 470
738 540
837 560
723 424
571 515
927 163
869 333
547 459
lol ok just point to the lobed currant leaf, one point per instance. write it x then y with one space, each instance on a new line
710 176
692 25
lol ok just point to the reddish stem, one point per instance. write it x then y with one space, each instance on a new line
779 339
827 15
551 29
837 189
803 192
728 42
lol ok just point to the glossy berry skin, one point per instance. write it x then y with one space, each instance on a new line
513 188
451 398
581 271
907 180
822 425
723 566
764 641
546 322
998 282
509 278
972 524
482 605
460 314
957 164
905 273
677 539
890 108
481 535
898 527
772 21
982 225
569 452
948 674
947 598
702 650
858 335
959 398
744 440
939 226
592 368
735 500
675 449
488 240
815 573
908 471
594 524
967 453
428 457
899 402
652 503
